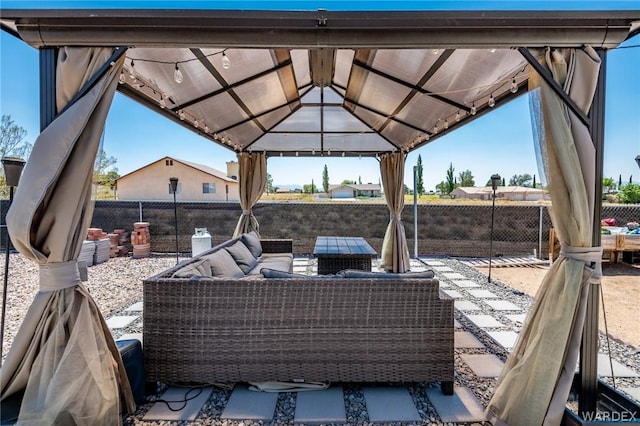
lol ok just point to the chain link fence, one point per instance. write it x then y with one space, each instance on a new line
459 230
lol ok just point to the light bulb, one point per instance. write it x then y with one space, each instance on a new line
206 128
181 114
280 153
435 51
514 86
177 75
215 136
226 63
343 153
457 116
313 152
296 153
435 130
493 50
329 152
473 109
132 71
163 103
492 102
195 123
427 137
446 124
122 78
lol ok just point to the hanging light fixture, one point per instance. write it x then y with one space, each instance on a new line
492 101
226 63
177 74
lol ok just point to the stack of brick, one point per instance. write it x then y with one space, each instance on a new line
113 244
141 240
101 241
122 241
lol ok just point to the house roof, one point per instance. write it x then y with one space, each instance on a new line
323 82
358 187
201 167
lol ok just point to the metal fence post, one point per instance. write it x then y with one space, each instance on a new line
540 234
140 210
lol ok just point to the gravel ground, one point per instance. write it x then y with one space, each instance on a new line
117 284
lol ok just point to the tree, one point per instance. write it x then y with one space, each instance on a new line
534 185
419 181
359 180
630 193
520 180
608 184
348 182
12 139
466 178
619 182
325 179
269 185
309 188
450 181
102 163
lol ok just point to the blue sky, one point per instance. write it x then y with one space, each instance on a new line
499 142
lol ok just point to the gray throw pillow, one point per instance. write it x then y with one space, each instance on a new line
223 265
199 268
242 256
356 273
252 241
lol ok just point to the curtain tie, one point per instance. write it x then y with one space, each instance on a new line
59 275
584 254
246 212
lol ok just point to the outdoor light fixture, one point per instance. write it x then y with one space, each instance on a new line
174 187
495 181
12 171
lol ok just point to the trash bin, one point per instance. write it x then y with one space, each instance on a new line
200 241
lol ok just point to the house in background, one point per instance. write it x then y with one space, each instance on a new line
354 190
511 193
196 182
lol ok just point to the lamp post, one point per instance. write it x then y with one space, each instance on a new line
12 170
174 187
415 211
495 181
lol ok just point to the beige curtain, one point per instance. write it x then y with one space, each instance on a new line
536 379
253 178
63 356
395 252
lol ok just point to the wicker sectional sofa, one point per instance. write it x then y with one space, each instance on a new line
349 327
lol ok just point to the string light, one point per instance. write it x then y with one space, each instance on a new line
281 154
195 123
177 75
122 78
163 102
457 116
296 153
313 152
446 124
181 114
226 63
206 128
343 153
514 86
329 152
474 110
492 101
427 137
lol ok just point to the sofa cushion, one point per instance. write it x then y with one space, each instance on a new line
281 263
223 265
243 257
356 273
274 273
252 241
199 268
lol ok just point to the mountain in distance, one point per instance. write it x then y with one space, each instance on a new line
291 187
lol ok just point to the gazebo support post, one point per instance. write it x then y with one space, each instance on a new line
588 399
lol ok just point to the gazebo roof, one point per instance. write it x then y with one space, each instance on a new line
322 83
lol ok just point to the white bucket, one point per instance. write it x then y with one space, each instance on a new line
200 241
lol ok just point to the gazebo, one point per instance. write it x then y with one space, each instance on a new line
318 83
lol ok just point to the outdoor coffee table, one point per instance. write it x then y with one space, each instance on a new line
337 253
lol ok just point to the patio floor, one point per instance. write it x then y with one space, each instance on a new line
488 319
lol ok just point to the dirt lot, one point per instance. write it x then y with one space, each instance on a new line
620 285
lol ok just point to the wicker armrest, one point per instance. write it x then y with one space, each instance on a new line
277 246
